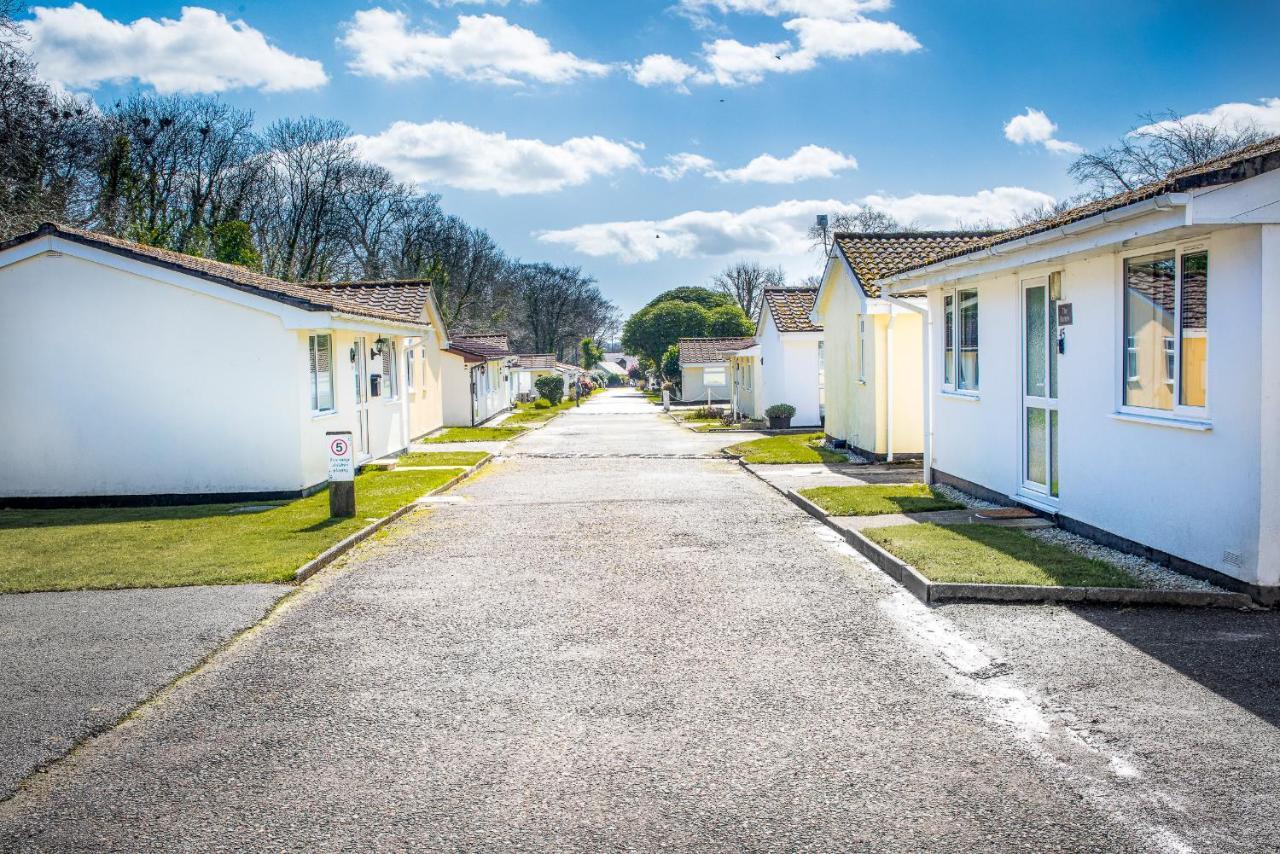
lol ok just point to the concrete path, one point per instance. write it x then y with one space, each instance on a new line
650 648
74 663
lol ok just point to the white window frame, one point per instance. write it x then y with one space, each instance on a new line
409 356
391 376
953 387
314 375
1180 411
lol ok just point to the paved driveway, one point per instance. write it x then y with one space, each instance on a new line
74 663
630 653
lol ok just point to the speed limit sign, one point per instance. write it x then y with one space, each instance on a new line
341 456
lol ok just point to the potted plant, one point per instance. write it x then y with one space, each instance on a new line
780 415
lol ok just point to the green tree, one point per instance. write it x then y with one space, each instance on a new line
671 364
704 297
651 330
233 244
591 354
729 321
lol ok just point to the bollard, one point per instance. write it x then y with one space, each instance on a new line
342 474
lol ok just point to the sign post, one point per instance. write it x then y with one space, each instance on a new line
342 474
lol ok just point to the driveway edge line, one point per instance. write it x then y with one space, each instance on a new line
345 545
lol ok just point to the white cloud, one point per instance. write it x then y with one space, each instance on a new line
772 230
1235 116
679 165
1034 127
832 9
999 206
660 69
781 230
457 155
483 47
442 3
831 30
200 51
810 161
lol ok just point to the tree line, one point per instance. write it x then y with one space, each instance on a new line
293 200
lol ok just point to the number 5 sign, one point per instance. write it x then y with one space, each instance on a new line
342 463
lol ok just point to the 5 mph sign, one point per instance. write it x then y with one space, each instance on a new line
342 460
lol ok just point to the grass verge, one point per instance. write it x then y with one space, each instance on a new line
790 448
465 459
987 554
878 500
177 546
475 434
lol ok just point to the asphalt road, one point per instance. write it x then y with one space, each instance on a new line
630 651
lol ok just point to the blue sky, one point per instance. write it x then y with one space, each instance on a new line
543 122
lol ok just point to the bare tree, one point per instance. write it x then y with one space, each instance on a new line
745 282
866 220
1160 145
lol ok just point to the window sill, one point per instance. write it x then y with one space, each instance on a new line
1194 425
319 416
971 397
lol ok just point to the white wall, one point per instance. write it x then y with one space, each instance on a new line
693 388
456 390
1194 494
117 384
790 371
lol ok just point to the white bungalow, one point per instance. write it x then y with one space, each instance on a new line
704 367
198 380
478 379
873 345
1118 366
784 362
525 371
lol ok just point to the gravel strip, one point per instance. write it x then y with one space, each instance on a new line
1147 573
952 494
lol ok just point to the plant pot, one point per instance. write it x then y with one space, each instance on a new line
779 423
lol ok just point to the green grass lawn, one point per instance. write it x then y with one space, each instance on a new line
527 413
177 546
878 500
465 459
475 434
791 448
987 554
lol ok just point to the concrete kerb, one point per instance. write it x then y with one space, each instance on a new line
345 545
935 593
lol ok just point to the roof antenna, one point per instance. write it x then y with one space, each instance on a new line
823 224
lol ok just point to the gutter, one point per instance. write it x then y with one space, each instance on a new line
1163 202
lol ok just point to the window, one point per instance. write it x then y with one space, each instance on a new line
862 348
426 383
321 357
1166 329
949 340
713 376
960 340
389 374
408 369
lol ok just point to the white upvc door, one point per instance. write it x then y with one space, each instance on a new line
360 373
1040 387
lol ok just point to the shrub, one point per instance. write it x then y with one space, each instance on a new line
780 410
708 412
551 387
542 403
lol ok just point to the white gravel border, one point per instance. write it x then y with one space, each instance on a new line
1146 572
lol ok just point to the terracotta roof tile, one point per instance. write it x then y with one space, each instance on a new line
1233 166
407 298
490 344
296 294
699 350
790 308
873 255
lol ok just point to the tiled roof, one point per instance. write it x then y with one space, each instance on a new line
536 361
873 255
467 356
1234 166
491 344
790 308
698 350
240 278
407 298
